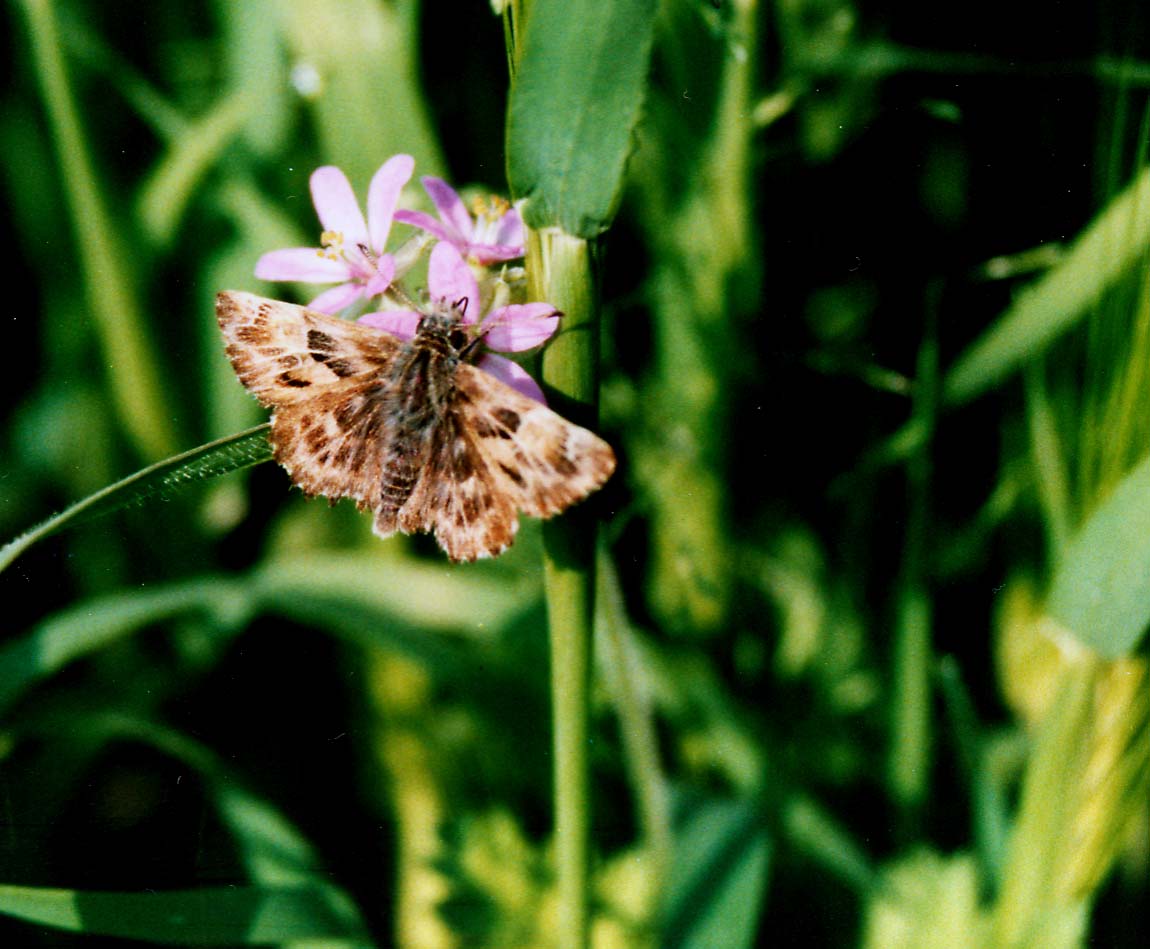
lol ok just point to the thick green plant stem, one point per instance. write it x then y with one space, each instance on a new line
134 378
559 269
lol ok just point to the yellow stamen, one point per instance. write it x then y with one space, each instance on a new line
490 207
332 245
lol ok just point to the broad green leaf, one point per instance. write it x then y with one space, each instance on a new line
1114 242
219 916
718 876
159 480
1101 587
574 106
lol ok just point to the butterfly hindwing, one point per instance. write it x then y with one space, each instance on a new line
496 452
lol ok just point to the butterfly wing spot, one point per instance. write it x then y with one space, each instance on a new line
511 473
320 344
506 417
463 458
342 368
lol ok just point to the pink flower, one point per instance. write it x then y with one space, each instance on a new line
352 251
494 235
509 329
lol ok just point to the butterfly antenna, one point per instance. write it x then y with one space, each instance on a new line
400 295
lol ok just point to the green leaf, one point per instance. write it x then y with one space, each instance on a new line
718 876
360 597
574 106
221 916
175 178
426 596
1114 242
1101 588
159 480
92 624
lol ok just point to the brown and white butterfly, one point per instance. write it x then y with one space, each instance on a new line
410 430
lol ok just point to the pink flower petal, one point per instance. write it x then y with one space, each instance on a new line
520 326
336 205
301 263
512 374
450 206
451 280
386 184
427 223
401 323
335 299
492 253
509 233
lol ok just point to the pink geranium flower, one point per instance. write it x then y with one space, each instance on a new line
509 329
494 235
352 249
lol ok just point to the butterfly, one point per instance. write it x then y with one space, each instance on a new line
408 429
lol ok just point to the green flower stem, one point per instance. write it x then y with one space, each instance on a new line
559 270
134 378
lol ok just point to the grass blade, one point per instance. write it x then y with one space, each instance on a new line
173 182
718 877
218 916
1110 245
135 381
93 623
208 461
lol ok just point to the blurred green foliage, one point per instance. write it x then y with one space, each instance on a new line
873 572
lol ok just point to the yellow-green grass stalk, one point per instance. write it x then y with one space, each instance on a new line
1069 664
134 372
1085 788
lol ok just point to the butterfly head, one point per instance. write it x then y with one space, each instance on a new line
445 324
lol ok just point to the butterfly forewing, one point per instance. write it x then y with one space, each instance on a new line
323 376
287 354
427 442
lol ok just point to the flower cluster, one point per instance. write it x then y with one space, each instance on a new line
466 267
